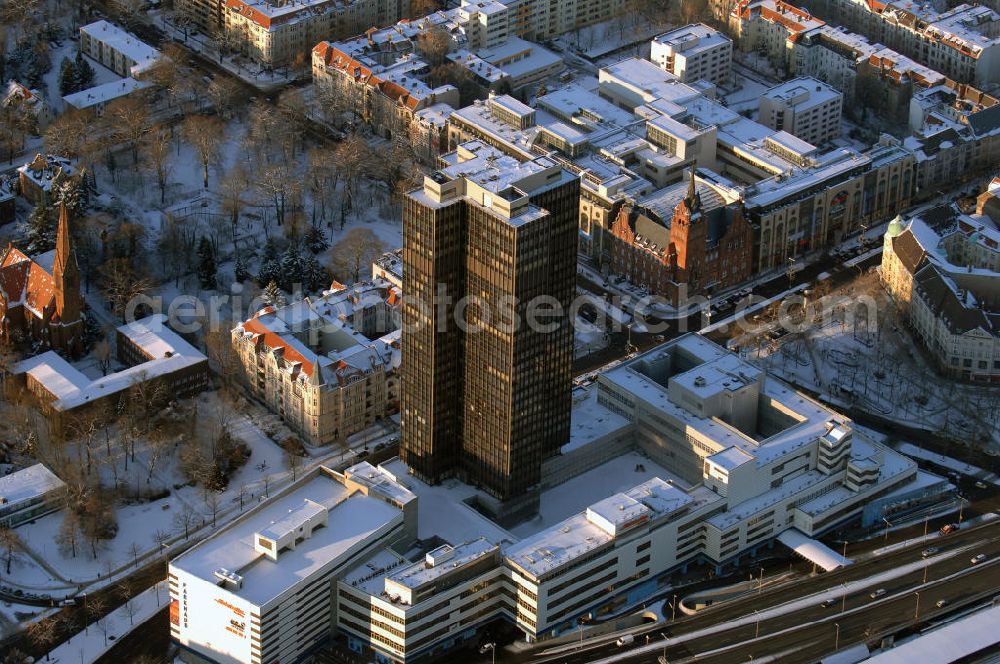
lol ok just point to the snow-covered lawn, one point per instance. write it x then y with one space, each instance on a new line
872 362
136 523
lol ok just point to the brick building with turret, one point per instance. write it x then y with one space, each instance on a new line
704 247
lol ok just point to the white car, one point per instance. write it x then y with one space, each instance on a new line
978 559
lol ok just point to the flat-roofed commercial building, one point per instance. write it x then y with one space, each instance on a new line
260 589
804 107
29 493
694 52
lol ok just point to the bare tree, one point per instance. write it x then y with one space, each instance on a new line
69 532
185 520
127 596
11 543
421 8
134 549
243 494
160 538
156 153
94 608
434 44
102 351
213 503
277 183
43 633
204 133
224 92
232 195
130 116
122 284
293 451
358 247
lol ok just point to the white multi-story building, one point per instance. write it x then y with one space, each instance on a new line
694 52
947 284
121 52
259 590
29 493
315 363
804 107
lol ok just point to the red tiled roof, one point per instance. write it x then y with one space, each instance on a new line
275 342
25 282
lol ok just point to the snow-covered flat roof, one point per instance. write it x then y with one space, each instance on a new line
442 509
598 525
812 550
100 94
354 522
803 93
451 559
58 376
121 41
71 388
691 39
948 643
28 483
590 421
380 480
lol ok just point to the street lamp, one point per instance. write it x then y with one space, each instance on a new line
843 599
916 610
887 524
492 647
756 631
836 638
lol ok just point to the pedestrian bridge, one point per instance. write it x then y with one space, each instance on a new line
813 550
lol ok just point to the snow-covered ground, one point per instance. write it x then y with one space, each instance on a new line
872 362
89 645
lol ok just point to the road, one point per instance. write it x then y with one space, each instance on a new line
809 631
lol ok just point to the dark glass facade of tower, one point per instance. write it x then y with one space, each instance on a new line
488 403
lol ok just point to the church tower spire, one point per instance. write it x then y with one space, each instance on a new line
66 282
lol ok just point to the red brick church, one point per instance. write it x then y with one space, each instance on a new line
40 297
704 247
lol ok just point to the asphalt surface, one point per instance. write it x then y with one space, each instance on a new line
809 633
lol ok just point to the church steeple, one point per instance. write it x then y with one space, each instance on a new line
66 274
693 200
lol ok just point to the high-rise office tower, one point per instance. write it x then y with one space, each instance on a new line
489 243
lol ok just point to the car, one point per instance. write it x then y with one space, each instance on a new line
69 601
626 640
941 603
875 594
949 528
827 603
929 551
978 559
980 484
